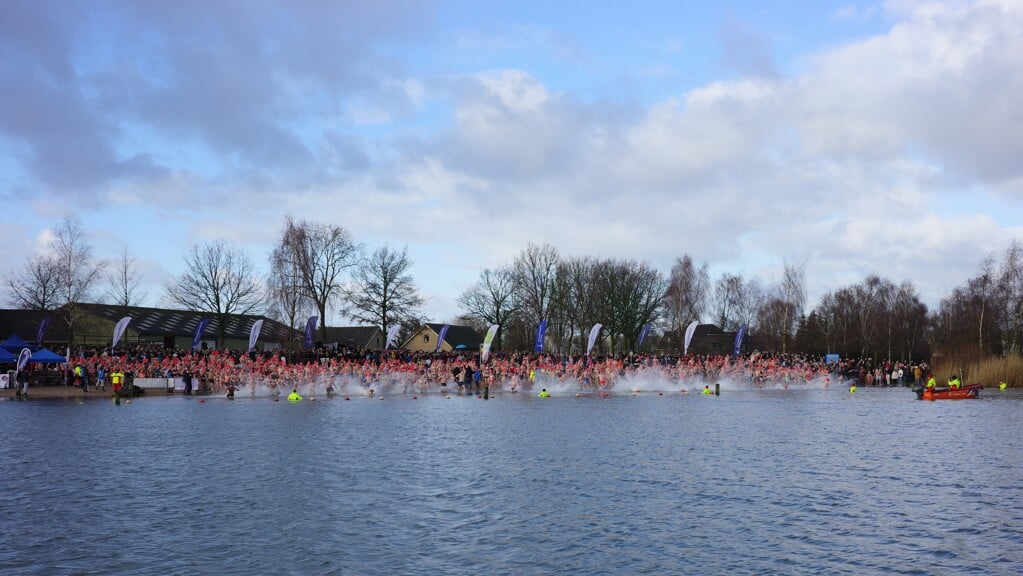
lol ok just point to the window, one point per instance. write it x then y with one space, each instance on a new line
426 337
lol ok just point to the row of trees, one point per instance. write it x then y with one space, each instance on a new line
318 268
313 268
873 318
572 294
309 270
986 312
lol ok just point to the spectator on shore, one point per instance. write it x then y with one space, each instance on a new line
21 388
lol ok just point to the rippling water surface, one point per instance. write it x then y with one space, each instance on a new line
752 482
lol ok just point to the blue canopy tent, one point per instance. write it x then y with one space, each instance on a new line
14 344
7 358
45 356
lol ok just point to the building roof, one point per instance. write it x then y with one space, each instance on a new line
25 323
703 330
167 322
353 336
458 337
146 322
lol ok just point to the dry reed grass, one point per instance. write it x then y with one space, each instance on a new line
974 367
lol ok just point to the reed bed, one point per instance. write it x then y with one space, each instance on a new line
973 367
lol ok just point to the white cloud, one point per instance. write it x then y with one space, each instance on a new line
885 155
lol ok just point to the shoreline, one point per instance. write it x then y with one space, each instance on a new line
68 392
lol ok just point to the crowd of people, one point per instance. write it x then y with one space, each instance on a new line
399 371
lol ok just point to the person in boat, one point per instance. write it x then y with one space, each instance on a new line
954 383
931 382
544 393
294 396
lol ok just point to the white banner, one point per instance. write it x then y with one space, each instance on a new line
487 341
690 330
593 337
119 329
254 333
392 333
23 358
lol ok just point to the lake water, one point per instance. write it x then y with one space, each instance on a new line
751 482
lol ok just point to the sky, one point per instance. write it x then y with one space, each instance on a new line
848 138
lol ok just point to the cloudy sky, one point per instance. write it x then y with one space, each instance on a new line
853 138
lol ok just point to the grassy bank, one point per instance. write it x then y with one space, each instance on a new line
977 368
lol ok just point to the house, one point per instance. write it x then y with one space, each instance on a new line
456 338
708 339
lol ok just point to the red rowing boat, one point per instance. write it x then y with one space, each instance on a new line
963 393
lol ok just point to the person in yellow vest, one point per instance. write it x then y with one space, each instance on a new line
1002 385
116 380
954 383
707 390
852 388
931 382
294 396
544 393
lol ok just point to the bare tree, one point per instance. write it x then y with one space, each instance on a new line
827 321
535 271
492 299
632 293
323 252
287 299
220 280
792 294
727 295
751 299
383 291
982 292
781 309
579 300
37 287
1010 287
77 271
772 321
686 297
124 281
909 319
